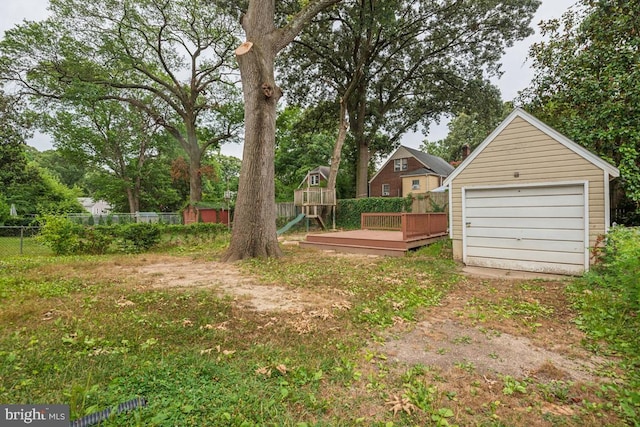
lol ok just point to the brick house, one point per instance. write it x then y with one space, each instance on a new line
409 171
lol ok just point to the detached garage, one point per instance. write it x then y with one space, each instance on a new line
529 199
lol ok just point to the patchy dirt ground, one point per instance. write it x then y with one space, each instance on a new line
472 327
226 279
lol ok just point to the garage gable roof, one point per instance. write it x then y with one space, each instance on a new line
518 112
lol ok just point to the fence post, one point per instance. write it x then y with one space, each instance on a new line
21 238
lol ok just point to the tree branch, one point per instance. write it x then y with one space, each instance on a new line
286 34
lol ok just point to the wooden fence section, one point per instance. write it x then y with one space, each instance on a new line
412 225
286 210
419 225
381 221
430 202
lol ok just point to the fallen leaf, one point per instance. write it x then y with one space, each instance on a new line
263 371
400 403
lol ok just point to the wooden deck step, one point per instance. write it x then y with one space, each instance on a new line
367 250
387 243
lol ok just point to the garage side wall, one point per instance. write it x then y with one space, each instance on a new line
522 154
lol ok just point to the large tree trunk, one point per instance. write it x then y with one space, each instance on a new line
133 202
195 180
357 116
362 169
337 149
254 225
194 152
254 228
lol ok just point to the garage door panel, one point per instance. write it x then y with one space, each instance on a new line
490 243
524 191
532 223
527 233
526 255
548 201
526 212
538 228
539 267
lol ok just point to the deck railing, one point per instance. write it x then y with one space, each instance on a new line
412 225
314 196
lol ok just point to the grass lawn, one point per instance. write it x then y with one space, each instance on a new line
93 332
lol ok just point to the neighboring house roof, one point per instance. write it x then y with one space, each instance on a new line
433 164
552 133
86 202
323 171
418 172
90 205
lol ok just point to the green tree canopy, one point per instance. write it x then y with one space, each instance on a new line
113 138
169 59
402 63
587 82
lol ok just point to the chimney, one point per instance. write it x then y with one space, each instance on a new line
466 150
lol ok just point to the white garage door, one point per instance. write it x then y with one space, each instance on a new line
538 229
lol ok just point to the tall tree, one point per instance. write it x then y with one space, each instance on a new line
587 82
109 136
15 128
169 59
254 231
400 63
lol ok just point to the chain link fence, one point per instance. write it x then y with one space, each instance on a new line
21 240
126 218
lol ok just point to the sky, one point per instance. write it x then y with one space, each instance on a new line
515 65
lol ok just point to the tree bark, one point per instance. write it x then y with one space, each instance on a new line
254 228
337 149
357 118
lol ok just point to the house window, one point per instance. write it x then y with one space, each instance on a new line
400 165
314 180
415 184
386 189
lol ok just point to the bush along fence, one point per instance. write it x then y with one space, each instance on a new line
65 237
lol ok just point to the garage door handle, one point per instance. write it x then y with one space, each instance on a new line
468 224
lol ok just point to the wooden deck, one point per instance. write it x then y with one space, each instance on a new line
412 233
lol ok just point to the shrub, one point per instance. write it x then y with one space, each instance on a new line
608 299
138 237
95 240
348 210
620 267
60 234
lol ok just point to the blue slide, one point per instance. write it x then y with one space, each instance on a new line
290 224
